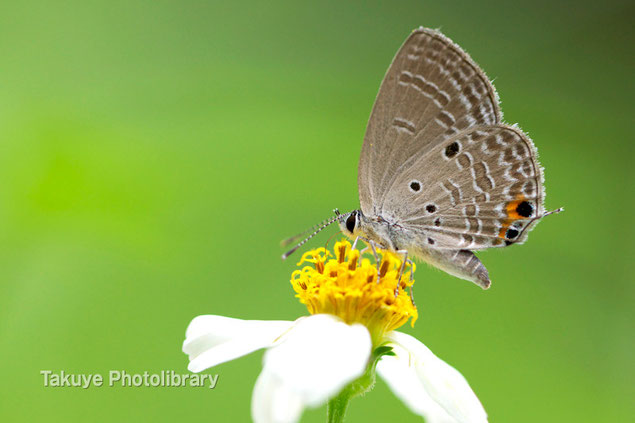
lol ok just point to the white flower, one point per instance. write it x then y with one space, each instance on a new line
311 360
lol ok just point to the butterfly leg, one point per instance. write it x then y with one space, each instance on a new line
403 266
361 253
412 287
355 243
371 244
403 262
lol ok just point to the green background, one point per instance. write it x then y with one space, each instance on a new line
153 154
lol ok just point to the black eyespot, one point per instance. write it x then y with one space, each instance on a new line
350 222
430 241
525 209
431 208
437 222
508 243
415 186
451 150
511 233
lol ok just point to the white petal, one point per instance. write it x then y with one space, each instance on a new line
442 383
211 340
273 402
405 383
318 357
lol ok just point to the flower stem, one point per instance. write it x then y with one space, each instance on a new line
336 408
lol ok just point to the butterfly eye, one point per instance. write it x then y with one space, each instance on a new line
350 222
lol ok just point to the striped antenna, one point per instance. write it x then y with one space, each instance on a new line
316 229
294 238
556 211
561 209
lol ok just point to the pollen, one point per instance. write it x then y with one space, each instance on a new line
348 284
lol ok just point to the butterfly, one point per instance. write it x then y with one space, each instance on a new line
440 175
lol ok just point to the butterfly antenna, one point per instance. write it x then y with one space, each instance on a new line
553 212
294 238
317 228
558 210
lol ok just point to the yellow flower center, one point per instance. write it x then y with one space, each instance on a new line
350 288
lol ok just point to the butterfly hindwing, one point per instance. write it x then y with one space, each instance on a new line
482 188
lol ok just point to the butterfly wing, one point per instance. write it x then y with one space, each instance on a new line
431 91
478 189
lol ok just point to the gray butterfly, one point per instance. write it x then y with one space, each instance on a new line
440 175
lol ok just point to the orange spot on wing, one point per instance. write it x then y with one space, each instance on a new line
512 214
512 206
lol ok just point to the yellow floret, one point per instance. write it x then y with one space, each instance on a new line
350 289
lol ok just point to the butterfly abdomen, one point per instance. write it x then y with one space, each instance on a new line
460 263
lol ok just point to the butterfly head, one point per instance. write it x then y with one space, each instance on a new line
350 223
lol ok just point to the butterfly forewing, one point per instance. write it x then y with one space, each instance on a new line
432 91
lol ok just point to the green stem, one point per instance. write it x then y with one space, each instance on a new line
336 408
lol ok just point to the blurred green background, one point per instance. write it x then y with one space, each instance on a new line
153 154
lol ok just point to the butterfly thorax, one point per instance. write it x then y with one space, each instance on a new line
382 231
